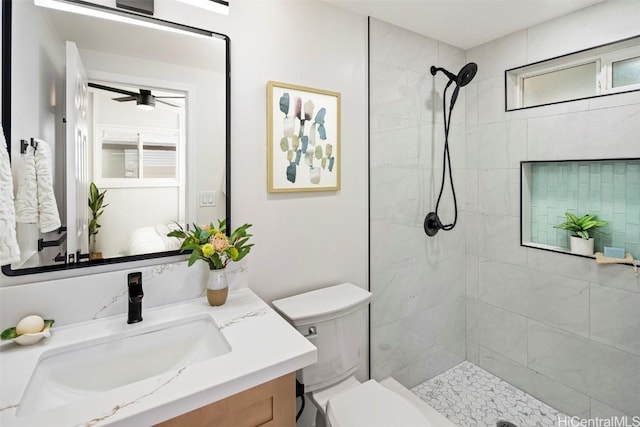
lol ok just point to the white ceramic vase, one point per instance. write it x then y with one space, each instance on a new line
581 246
217 287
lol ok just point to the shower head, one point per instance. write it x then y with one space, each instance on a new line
466 74
432 223
464 77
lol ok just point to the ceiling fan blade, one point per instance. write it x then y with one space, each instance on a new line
126 98
174 97
166 103
112 89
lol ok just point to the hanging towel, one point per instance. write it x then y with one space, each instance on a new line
9 250
27 196
35 201
48 216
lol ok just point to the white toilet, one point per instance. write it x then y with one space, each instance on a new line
333 319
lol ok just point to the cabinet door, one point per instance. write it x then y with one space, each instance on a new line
272 404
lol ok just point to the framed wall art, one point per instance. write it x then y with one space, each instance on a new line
303 126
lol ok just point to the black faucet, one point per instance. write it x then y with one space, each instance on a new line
134 280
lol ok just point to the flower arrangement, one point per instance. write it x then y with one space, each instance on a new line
212 245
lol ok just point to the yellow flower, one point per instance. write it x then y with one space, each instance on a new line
233 253
208 249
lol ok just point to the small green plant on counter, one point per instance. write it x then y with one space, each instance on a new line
583 227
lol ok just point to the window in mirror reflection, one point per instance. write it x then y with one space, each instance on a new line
602 70
133 145
138 153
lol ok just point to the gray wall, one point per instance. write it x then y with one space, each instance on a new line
559 327
418 307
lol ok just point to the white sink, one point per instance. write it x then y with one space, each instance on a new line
81 370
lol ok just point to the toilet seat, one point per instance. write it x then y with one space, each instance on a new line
372 405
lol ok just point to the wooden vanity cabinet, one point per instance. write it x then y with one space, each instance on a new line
272 404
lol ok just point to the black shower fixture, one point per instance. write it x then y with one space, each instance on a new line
464 77
432 223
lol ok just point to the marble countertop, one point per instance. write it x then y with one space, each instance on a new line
263 347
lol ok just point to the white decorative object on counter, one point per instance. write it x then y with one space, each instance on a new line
28 339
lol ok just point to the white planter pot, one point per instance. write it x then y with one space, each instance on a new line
581 246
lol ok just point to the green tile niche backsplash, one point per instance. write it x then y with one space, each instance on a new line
608 188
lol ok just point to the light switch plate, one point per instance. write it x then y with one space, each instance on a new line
207 199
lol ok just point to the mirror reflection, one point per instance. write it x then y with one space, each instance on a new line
138 154
128 114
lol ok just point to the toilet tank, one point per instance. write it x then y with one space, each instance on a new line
334 320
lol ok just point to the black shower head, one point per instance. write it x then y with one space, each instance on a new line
464 77
466 74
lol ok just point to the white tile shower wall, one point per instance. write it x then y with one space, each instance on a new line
578 322
418 282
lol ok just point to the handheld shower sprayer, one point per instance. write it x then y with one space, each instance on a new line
432 223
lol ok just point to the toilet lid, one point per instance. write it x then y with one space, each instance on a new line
373 405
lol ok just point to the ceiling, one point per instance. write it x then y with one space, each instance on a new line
463 23
117 38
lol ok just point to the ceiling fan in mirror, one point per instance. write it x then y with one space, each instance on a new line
145 100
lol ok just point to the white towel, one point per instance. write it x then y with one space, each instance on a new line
27 196
9 250
48 216
35 201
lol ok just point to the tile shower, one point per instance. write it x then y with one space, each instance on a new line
554 326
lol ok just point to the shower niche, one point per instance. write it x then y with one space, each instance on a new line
607 188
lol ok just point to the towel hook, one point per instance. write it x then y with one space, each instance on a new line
24 144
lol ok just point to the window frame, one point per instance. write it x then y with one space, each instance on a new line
609 59
605 55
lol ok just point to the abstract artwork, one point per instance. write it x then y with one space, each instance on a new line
304 138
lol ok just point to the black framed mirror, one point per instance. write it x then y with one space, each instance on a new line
146 118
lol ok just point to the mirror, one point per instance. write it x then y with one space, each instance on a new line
142 113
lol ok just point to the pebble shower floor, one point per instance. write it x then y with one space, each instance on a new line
469 396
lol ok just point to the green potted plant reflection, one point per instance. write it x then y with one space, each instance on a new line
582 230
96 200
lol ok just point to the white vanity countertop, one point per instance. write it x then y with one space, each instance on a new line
263 347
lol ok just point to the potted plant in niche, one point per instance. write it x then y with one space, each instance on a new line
582 230
212 245
96 198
